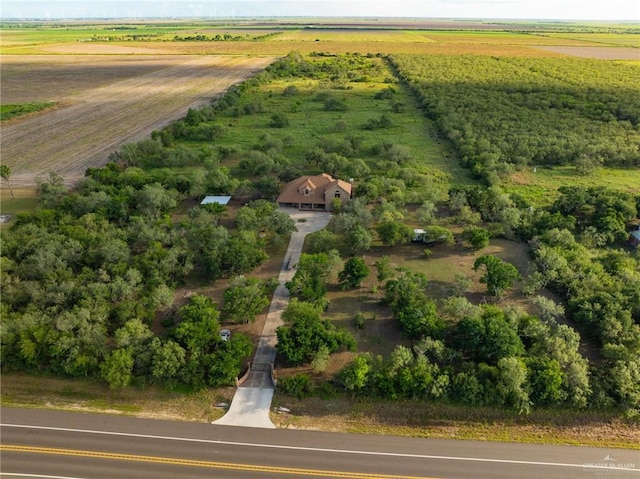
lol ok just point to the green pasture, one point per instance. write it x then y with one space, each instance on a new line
311 124
11 111
541 188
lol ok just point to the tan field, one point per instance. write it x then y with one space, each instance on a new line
104 101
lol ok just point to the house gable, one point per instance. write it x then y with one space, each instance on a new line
314 192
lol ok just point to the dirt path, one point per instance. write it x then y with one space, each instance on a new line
99 120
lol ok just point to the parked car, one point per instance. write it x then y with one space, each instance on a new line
225 334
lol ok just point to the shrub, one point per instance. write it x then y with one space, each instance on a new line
279 120
298 385
291 90
334 104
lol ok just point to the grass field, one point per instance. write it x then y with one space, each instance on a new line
338 414
541 188
310 124
13 111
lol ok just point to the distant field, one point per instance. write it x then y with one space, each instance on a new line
610 39
402 36
598 53
108 107
111 92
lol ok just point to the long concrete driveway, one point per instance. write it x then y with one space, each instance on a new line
252 401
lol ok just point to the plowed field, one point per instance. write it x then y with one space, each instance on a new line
104 104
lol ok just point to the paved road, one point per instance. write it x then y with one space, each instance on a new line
91 446
252 401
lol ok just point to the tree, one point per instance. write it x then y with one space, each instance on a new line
244 252
547 309
385 269
5 174
134 333
393 232
225 364
322 241
461 284
117 368
166 359
478 237
321 359
354 376
300 339
198 330
312 273
625 375
488 338
499 275
437 234
52 191
416 313
512 382
545 378
354 272
359 239
244 299
427 212
154 200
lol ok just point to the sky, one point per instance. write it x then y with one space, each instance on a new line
627 10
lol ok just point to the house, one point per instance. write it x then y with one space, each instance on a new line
634 238
314 192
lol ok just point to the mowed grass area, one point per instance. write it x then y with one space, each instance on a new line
335 414
541 188
87 395
446 421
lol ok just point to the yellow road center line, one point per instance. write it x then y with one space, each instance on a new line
197 463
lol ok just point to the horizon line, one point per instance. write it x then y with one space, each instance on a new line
320 17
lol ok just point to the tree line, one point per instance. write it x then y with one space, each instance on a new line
503 114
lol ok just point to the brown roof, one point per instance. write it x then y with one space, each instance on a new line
293 192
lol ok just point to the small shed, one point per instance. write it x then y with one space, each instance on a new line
634 238
221 200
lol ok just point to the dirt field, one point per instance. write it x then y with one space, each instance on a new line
599 53
105 102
